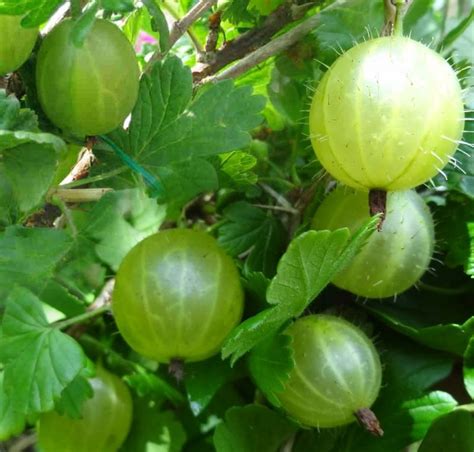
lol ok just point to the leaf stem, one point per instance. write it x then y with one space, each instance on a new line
81 318
76 8
400 10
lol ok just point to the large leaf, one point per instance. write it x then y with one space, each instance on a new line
270 364
169 126
252 428
119 221
453 431
28 257
246 228
12 422
36 11
29 156
307 267
203 380
154 430
469 368
447 328
37 357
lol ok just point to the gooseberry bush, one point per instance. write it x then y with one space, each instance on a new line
236 226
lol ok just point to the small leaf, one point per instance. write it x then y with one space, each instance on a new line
37 357
84 24
270 364
252 428
453 431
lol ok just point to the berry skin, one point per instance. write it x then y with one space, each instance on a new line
105 423
16 43
87 90
394 258
177 296
337 372
388 114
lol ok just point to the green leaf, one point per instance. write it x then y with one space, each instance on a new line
270 364
469 368
403 408
119 221
453 431
30 168
148 384
445 328
461 176
237 167
36 11
457 31
252 428
83 25
184 180
342 27
29 157
264 7
58 297
28 257
12 422
73 397
158 23
37 357
203 380
307 267
154 431
167 126
470 259
248 228
118 6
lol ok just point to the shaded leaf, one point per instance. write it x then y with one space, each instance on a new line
37 357
252 428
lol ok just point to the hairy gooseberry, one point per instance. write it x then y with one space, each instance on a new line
177 296
388 114
16 43
105 423
87 90
395 257
336 372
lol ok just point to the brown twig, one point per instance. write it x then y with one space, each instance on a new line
253 39
181 26
272 48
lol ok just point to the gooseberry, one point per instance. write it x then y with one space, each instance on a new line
16 43
177 296
388 114
337 372
394 258
104 425
91 89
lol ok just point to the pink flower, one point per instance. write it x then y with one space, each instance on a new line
143 38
